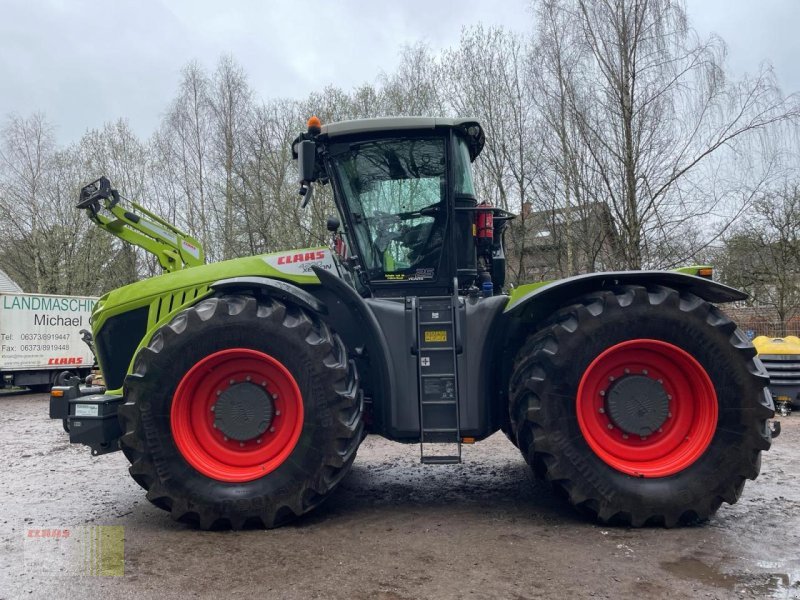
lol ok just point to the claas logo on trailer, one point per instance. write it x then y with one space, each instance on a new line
65 360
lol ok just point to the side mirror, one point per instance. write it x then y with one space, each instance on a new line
307 160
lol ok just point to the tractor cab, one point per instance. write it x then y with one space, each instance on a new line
404 188
429 259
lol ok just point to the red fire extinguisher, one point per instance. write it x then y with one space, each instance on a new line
484 225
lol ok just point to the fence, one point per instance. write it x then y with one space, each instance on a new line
756 320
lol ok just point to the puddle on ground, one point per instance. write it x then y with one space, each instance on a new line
766 583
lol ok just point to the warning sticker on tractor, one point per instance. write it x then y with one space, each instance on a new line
435 336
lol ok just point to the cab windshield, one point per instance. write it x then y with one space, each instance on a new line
395 192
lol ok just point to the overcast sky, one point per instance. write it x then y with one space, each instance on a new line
85 62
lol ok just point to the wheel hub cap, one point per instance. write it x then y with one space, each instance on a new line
243 411
647 408
638 404
236 415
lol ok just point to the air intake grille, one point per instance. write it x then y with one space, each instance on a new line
168 303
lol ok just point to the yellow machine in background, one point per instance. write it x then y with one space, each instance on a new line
781 357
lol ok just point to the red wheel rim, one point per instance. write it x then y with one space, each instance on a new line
192 417
685 433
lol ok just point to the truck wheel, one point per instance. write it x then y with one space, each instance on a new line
643 406
241 413
64 377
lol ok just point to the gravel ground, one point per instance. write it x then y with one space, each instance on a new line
393 530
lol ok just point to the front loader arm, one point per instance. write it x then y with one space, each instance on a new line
174 249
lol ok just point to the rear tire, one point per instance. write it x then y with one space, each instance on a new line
180 458
509 433
718 403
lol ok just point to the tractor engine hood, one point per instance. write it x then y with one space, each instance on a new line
123 317
290 265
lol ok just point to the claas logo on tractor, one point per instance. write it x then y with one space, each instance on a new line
241 392
301 257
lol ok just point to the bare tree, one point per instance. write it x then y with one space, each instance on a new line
489 78
181 151
114 151
655 115
413 88
45 243
230 102
612 131
268 174
28 146
762 255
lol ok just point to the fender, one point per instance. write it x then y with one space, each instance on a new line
274 287
372 334
536 301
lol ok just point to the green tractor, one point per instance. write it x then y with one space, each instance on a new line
240 391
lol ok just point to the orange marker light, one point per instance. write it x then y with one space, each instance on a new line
57 393
314 125
707 272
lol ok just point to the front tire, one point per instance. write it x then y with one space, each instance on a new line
641 406
241 412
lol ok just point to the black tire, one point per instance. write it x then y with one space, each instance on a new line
64 377
508 431
331 430
544 387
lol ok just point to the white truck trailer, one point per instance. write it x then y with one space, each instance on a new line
40 337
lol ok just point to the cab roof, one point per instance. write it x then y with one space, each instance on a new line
471 128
